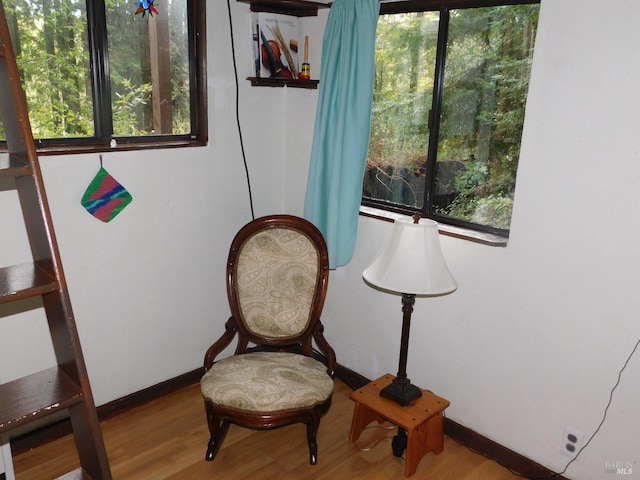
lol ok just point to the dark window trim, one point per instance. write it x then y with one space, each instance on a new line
456 227
101 142
433 5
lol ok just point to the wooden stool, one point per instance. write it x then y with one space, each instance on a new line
422 419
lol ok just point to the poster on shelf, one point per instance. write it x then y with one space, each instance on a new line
275 45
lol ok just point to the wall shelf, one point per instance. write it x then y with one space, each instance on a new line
297 8
281 82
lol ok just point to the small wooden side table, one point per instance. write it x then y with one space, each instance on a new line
422 419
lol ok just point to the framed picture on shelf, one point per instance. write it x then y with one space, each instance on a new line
275 45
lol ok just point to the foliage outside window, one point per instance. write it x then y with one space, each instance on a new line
145 87
448 111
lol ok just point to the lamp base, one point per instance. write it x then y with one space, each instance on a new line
401 391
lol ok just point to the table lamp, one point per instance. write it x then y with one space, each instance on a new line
410 263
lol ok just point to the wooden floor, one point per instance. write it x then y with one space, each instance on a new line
166 439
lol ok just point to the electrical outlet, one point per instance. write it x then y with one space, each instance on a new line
571 441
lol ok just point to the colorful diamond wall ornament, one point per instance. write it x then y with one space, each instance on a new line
105 197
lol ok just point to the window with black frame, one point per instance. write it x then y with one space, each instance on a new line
448 110
95 72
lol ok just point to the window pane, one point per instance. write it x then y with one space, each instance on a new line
50 41
403 91
487 70
468 175
149 69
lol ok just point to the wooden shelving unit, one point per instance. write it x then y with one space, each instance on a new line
296 8
64 387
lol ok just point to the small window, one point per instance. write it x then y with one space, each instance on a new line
448 111
94 71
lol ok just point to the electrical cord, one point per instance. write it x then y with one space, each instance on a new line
604 416
376 427
235 71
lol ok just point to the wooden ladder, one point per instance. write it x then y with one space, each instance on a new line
65 386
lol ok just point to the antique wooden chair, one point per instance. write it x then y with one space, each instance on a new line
277 274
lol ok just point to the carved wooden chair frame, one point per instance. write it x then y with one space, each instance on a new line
219 417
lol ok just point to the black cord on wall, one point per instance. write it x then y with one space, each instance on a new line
604 416
235 71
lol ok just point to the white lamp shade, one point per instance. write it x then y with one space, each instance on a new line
411 261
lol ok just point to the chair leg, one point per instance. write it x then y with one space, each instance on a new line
218 428
312 429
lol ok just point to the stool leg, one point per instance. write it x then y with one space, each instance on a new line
416 445
424 438
362 416
435 427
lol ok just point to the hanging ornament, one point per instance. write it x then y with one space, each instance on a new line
146 6
105 197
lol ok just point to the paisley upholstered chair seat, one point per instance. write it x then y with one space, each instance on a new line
277 274
267 382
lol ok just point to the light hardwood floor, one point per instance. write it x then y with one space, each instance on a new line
167 437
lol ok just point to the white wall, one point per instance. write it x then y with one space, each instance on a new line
537 332
532 340
148 288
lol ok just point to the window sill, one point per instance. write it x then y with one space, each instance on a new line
449 230
70 149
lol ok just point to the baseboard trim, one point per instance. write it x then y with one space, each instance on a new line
352 379
498 453
465 436
138 398
61 428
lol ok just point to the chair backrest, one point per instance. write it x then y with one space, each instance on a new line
277 275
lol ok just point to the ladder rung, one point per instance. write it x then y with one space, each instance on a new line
36 396
23 281
14 165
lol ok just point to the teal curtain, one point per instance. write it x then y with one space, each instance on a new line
343 123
